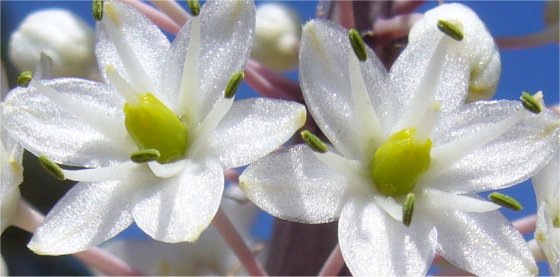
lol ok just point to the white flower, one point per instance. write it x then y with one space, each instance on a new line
277 34
406 132
11 155
547 235
167 98
64 37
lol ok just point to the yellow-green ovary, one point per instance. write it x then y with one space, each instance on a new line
151 124
399 162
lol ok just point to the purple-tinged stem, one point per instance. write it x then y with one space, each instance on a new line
334 263
346 14
236 243
156 16
173 10
550 35
271 84
396 27
405 6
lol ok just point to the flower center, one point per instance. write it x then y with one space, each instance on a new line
399 162
152 125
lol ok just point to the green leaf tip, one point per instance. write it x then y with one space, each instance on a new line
97 9
358 44
450 29
145 155
505 201
531 103
194 6
52 168
24 79
233 84
314 142
408 209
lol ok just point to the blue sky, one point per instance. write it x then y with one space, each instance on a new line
530 70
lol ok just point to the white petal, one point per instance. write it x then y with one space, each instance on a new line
375 244
547 182
253 128
44 128
547 235
511 158
180 208
226 35
89 214
483 244
11 177
432 199
135 46
292 184
326 86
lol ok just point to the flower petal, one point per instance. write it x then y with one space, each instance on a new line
44 128
132 44
375 244
253 128
180 208
89 214
293 184
226 34
483 244
547 182
512 157
325 80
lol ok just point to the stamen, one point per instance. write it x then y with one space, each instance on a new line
97 9
408 209
505 201
145 155
433 199
169 169
313 142
450 29
107 126
194 6
426 126
390 206
133 67
24 79
556 222
124 88
425 93
187 99
119 172
445 155
365 111
531 102
358 45
207 127
233 84
52 168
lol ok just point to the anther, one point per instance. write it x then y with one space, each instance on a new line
408 209
556 222
52 168
233 84
450 29
358 44
531 102
314 142
97 9
24 79
145 155
194 6
505 201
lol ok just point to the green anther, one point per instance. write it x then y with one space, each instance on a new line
505 201
233 84
314 142
194 6
152 125
408 209
530 103
145 155
450 29
399 162
556 222
52 168
24 79
97 9
358 45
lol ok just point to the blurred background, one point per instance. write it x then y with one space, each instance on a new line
529 69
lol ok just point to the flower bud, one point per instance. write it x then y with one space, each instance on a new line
277 36
62 36
477 47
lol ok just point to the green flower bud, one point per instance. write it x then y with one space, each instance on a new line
151 124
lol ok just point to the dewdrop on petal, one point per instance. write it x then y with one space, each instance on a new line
61 35
484 54
277 35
